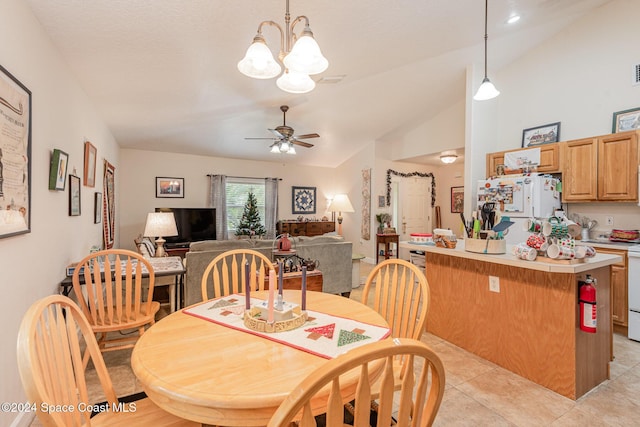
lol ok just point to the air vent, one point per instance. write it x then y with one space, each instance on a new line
636 75
331 79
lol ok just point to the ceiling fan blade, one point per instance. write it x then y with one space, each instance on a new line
307 135
300 143
270 139
276 133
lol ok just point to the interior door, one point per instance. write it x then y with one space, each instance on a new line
414 205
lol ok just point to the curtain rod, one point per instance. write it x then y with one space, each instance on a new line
244 177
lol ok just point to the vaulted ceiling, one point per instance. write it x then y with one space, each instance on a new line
163 73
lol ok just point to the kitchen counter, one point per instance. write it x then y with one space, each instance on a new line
600 260
522 315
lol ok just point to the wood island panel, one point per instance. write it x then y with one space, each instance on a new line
530 327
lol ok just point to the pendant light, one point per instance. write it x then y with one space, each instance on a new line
486 90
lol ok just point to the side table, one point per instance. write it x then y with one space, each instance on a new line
386 240
162 267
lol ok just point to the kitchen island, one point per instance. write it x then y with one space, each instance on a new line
528 322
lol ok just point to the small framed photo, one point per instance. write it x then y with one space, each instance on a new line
303 200
626 120
167 187
89 164
58 170
539 135
381 201
457 199
97 208
74 195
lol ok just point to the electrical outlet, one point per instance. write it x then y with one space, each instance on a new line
609 220
494 284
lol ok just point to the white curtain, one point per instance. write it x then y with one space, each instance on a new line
219 202
270 206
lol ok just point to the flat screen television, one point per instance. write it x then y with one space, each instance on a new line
194 224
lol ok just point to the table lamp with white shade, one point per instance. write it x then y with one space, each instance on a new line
160 224
340 203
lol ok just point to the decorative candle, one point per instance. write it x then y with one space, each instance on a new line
272 292
280 276
247 286
303 302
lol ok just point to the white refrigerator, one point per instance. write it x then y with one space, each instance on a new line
520 197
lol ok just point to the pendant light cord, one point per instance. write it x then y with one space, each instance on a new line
486 6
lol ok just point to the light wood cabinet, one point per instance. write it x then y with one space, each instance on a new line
580 169
603 168
618 167
619 288
549 159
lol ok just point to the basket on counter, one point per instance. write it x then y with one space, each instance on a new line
617 234
444 241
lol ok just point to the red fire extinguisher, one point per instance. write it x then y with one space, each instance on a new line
588 312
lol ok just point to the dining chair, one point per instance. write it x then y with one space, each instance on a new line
114 296
225 274
420 393
50 340
400 293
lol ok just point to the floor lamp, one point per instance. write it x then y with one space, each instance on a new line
340 203
160 224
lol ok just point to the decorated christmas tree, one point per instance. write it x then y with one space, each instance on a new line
250 224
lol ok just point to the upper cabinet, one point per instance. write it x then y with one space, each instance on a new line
549 159
604 168
601 168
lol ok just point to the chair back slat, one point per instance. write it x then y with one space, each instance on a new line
419 399
226 275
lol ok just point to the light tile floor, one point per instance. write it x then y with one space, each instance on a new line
480 393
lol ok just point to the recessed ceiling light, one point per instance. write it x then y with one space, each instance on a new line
513 19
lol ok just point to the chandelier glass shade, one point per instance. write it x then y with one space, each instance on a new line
486 90
300 55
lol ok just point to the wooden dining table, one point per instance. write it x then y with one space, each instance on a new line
217 375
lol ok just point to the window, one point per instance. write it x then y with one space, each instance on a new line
237 192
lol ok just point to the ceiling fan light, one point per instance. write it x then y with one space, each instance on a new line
258 62
275 149
486 91
291 150
448 158
294 82
284 146
305 56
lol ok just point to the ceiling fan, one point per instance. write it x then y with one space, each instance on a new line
285 139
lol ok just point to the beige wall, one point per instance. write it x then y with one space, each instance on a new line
32 265
142 167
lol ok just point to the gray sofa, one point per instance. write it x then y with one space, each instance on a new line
333 253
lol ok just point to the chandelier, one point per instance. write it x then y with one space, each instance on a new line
300 55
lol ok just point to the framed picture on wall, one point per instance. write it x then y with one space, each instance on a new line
457 199
15 156
97 208
169 187
58 170
90 153
539 135
74 195
626 120
303 200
